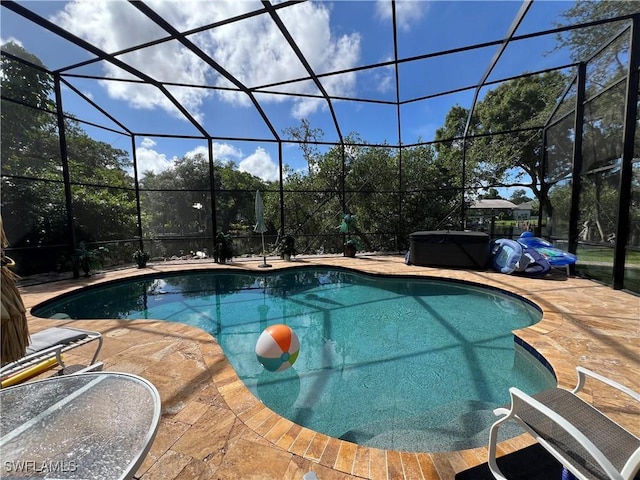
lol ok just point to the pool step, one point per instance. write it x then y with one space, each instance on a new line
441 429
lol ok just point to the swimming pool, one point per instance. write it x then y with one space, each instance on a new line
391 362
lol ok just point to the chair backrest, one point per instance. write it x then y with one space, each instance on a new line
632 467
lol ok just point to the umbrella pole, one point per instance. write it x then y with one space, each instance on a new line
264 255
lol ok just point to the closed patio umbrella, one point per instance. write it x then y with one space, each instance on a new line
15 331
260 227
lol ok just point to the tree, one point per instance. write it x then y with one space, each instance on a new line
170 197
33 196
450 144
560 203
371 176
492 194
307 139
450 148
103 192
520 196
603 123
431 189
583 43
29 90
515 158
33 208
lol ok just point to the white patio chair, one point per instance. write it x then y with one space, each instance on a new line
52 343
588 443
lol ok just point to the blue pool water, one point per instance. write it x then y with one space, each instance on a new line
397 363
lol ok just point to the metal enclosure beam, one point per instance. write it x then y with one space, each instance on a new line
180 37
89 47
578 129
544 188
136 179
524 8
212 188
312 74
303 60
64 159
399 124
628 147
281 188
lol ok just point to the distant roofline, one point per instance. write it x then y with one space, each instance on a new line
493 203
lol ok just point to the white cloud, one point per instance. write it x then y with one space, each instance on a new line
384 77
147 142
151 161
254 50
309 24
408 12
221 151
385 82
199 150
3 41
260 164
224 151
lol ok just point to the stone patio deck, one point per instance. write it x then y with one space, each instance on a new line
213 428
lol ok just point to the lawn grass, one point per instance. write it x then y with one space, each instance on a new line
596 262
605 255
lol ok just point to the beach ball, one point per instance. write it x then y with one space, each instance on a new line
277 348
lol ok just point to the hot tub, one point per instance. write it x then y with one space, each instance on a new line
446 248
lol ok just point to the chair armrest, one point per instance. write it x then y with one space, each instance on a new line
96 367
31 359
501 411
583 373
520 400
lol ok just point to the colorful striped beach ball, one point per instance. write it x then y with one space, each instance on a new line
277 348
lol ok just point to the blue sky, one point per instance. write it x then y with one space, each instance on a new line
332 36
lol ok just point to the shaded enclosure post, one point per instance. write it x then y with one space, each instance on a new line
65 173
137 187
574 212
626 171
281 187
212 189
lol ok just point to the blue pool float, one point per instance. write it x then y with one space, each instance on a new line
510 256
555 256
538 264
506 255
